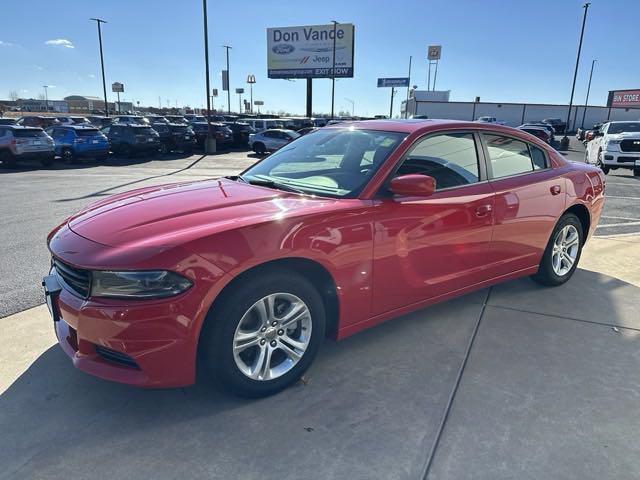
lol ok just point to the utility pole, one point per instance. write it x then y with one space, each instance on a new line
575 73
586 100
208 141
228 82
333 69
104 82
46 97
393 92
406 105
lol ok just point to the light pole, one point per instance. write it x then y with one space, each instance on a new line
228 81
46 97
104 82
586 100
575 73
406 105
251 79
208 147
333 69
353 105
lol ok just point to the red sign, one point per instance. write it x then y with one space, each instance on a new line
625 98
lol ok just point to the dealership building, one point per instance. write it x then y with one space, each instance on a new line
622 105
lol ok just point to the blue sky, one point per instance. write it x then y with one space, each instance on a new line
501 50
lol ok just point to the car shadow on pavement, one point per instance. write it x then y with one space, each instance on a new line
108 191
369 407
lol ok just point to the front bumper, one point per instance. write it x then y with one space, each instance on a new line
620 159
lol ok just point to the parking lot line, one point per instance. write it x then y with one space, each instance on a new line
620 218
622 224
623 198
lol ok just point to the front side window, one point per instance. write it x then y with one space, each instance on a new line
450 158
508 156
332 162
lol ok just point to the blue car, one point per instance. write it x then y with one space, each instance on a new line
76 141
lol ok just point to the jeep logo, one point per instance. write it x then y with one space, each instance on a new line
282 49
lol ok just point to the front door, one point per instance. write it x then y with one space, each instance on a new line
426 247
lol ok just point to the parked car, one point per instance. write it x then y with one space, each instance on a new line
99 122
490 120
151 119
195 118
539 132
262 124
7 121
175 136
176 119
241 132
73 142
357 224
549 129
130 120
557 124
37 121
591 133
72 120
616 145
271 140
18 143
220 131
305 130
129 139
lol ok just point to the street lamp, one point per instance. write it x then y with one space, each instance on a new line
208 144
353 105
251 79
46 97
104 83
227 47
565 139
586 100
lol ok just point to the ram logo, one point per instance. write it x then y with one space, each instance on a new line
283 49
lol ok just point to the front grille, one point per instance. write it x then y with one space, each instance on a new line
116 357
78 280
627 159
630 145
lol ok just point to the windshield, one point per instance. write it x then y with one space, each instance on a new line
623 127
331 162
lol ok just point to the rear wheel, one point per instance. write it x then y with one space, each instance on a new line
259 148
561 256
636 172
125 151
7 159
261 339
47 161
67 155
164 149
600 163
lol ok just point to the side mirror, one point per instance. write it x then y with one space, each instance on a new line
413 185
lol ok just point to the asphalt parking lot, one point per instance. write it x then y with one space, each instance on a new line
545 377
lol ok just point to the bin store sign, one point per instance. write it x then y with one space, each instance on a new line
307 52
624 98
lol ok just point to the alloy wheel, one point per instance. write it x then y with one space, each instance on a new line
272 336
566 246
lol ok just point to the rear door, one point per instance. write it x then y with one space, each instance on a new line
529 199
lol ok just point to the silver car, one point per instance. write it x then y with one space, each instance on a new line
23 143
271 140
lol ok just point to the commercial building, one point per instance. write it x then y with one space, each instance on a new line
514 114
86 105
38 105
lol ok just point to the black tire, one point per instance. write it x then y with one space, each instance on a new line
67 155
546 274
259 148
163 149
47 161
125 151
601 165
636 172
216 340
7 159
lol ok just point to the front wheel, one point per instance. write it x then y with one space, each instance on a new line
259 148
67 155
601 164
264 334
561 256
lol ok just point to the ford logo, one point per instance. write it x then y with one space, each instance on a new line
282 49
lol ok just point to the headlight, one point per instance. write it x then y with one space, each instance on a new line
611 143
144 284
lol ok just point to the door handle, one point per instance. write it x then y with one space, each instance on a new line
555 190
483 211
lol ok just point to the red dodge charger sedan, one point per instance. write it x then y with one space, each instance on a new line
339 230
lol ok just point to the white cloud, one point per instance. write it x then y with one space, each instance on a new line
5 44
38 67
91 75
60 42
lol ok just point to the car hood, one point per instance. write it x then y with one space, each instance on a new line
170 215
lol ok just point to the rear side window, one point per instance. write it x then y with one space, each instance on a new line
87 132
450 158
538 157
508 156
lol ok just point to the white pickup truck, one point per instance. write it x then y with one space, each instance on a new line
616 145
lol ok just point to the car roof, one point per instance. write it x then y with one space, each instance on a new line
20 127
77 127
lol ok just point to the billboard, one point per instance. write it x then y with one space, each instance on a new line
434 52
307 52
393 82
624 98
